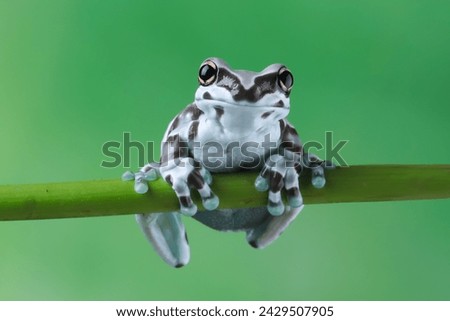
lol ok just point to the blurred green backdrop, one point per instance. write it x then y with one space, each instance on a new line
75 74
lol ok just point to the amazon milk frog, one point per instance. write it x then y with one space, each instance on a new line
236 122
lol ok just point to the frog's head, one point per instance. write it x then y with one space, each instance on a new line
264 93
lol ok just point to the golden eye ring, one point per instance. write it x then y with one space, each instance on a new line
207 73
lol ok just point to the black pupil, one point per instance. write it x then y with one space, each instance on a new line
287 79
206 72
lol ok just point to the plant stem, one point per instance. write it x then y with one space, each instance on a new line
113 197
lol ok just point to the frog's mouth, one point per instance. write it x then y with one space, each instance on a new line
241 113
245 105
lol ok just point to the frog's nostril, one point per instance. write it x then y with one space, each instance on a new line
207 95
280 103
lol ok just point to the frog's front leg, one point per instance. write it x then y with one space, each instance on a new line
184 173
280 172
181 171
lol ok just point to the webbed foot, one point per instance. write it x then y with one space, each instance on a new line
167 234
146 174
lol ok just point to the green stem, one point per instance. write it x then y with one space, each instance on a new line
113 197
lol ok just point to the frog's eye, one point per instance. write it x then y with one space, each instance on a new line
285 79
207 73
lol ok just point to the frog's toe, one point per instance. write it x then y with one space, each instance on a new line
167 234
294 198
146 174
181 188
318 177
140 184
128 176
262 180
151 175
187 207
275 208
140 187
261 184
275 205
209 199
206 175
317 167
211 202
292 187
318 182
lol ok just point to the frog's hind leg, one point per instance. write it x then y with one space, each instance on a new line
167 234
264 234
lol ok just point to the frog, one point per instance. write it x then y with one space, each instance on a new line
241 116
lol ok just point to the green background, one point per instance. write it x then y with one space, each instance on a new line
76 74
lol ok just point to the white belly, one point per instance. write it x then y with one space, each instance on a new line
221 150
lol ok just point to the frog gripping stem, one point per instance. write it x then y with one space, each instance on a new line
279 173
182 175
209 199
